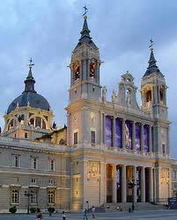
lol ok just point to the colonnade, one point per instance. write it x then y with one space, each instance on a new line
150 134
118 178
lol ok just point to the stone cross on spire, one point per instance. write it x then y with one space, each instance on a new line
85 12
31 64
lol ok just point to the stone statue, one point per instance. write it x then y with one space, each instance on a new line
128 99
104 93
113 96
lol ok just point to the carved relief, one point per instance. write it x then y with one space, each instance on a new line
164 177
93 169
93 117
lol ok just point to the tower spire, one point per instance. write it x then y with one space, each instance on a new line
85 32
29 82
152 67
152 61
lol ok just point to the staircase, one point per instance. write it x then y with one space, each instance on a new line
138 206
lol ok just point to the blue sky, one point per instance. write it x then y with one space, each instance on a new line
48 31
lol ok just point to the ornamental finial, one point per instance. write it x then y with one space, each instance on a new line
151 44
31 64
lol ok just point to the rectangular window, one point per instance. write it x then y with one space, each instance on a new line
34 162
15 196
163 149
33 197
92 137
26 135
52 165
33 180
16 161
75 137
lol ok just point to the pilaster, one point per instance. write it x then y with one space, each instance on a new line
114 184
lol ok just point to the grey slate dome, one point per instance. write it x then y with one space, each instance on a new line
29 97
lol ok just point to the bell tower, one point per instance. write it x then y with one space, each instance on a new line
85 68
153 89
153 95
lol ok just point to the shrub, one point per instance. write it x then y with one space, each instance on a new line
13 209
32 209
51 209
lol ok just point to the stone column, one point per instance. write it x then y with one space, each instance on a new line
105 186
150 138
123 133
135 187
124 183
114 193
133 135
142 141
151 184
142 184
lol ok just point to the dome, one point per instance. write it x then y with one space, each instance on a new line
29 97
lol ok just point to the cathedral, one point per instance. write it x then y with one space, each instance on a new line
106 146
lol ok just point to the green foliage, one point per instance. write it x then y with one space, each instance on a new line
13 209
32 209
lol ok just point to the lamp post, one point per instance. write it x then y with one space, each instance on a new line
132 185
28 195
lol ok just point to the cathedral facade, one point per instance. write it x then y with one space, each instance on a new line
105 147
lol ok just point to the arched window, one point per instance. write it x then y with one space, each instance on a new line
32 121
12 124
43 124
15 196
76 69
51 197
161 94
149 96
93 68
38 122
62 142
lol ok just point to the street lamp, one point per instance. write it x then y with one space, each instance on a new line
132 185
28 195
